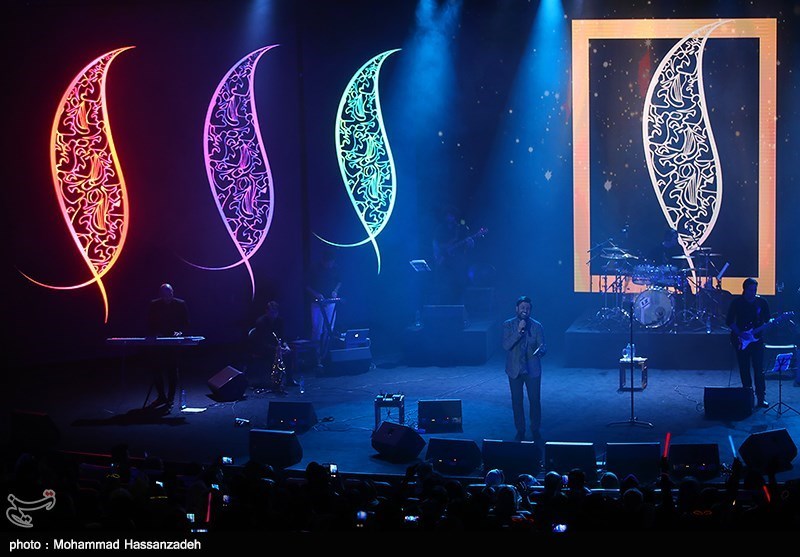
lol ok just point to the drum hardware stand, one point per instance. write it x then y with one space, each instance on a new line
616 313
702 315
610 241
632 420
603 312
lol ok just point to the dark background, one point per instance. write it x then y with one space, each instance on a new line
476 108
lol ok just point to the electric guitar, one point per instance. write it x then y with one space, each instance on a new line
449 250
745 338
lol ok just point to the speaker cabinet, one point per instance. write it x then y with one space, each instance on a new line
291 416
700 460
228 385
441 319
769 449
439 416
348 361
454 457
643 460
512 457
397 443
728 403
304 355
562 457
279 449
479 302
33 430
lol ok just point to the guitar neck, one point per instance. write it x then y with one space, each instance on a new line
463 241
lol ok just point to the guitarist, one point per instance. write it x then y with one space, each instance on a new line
747 316
451 246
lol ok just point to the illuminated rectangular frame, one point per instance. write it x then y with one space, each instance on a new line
762 29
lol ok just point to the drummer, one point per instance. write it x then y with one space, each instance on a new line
663 256
668 249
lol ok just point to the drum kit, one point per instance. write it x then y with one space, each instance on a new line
684 295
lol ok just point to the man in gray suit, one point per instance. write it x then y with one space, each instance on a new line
523 341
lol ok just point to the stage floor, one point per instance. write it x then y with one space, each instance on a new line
96 408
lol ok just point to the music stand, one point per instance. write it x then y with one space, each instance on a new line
782 363
632 420
422 270
420 265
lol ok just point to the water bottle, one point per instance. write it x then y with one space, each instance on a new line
633 350
708 324
302 385
183 399
626 352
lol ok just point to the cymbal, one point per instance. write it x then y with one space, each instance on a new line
681 257
618 256
709 255
698 270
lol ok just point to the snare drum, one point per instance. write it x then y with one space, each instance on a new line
654 307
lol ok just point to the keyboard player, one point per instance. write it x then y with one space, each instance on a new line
324 284
167 316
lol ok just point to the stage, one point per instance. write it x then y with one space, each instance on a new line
97 406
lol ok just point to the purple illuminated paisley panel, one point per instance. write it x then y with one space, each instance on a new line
364 154
236 162
679 145
86 173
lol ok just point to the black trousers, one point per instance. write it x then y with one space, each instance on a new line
753 356
532 385
165 362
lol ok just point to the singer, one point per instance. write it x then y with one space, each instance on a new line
523 341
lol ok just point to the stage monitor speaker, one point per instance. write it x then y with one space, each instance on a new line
33 430
291 416
728 403
454 457
512 457
304 355
562 457
227 385
768 449
444 318
700 460
348 361
397 443
279 449
439 416
643 460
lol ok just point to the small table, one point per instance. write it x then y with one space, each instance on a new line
625 370
390 401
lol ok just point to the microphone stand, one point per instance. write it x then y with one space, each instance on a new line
633 420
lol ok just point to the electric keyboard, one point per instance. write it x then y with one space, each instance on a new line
324 301
156 341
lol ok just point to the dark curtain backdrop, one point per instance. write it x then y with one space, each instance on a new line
451 132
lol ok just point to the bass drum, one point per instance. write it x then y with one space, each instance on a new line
653 308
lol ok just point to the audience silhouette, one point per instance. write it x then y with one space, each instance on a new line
123 494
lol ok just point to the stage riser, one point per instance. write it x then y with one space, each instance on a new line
425 346
663 350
